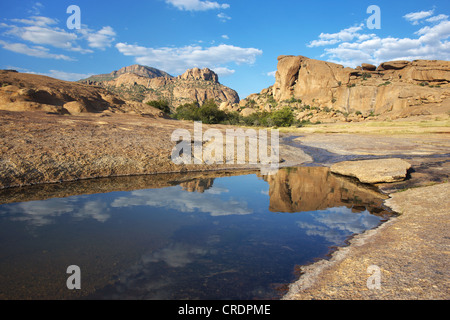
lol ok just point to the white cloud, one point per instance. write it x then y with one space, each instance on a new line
355 45
67 76
35 51
333 38
223 72
101 39
414 17
271 73
197 5
43 31
226 37
223 17
57 74
178 60
36 8
437 18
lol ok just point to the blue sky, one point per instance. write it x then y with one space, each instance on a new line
239 39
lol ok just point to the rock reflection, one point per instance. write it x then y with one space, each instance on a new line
310 189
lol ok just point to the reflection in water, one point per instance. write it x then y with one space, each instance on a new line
204 236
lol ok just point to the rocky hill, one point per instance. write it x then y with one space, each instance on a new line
29 92
136 69
328 92
138 84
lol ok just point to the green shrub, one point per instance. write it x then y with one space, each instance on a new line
209 113
188 111
283 117
161 105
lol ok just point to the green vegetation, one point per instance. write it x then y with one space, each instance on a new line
366 76
209 113
385 84
162 105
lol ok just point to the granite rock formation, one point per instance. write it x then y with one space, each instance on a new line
195 85
395 89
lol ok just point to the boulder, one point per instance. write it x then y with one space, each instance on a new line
248 112
374 171
394 65
75 107
368 67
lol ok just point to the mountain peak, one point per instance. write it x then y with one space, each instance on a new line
142 71
197 74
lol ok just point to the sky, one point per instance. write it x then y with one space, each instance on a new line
239 39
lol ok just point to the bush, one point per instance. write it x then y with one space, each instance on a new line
209 113
161 105
187 111
283 117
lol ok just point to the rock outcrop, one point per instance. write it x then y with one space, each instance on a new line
136 69
395 89
195 85
374 171
29 92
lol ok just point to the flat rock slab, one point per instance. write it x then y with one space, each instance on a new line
374 171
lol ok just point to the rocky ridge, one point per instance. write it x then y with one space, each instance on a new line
328 92
195 85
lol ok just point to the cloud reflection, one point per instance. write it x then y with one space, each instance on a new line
336 224
175 198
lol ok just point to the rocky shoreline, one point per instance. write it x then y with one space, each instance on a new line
408 251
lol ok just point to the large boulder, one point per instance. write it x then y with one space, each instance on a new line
374 171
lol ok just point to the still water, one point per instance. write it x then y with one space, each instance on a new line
198 236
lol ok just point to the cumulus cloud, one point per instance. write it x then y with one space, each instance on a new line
178 60
357 44
101 39
197 5
34 35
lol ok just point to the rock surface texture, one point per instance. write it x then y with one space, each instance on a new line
374 171
393 90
